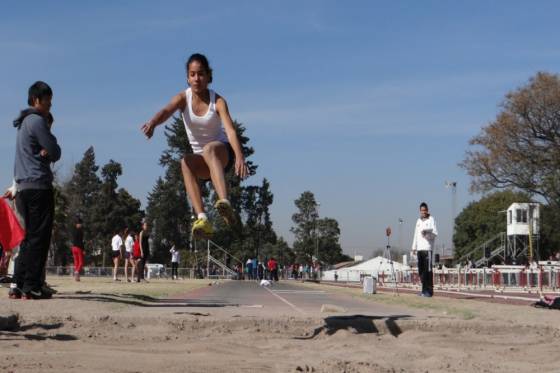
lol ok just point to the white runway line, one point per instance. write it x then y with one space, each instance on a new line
479 295
299 291
498 296
285 301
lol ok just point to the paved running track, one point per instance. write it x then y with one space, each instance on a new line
283 298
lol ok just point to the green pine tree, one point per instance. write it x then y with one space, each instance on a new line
305 228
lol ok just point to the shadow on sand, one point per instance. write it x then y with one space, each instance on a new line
145 301
358 324
16 332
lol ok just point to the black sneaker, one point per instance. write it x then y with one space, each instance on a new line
36 294
47 289
14 293
6 280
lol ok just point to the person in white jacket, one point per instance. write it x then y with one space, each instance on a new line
174 262
425 235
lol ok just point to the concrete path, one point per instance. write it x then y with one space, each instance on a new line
287 298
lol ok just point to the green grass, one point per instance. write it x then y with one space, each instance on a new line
439 306
104 285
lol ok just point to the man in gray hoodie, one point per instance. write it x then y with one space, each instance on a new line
36 149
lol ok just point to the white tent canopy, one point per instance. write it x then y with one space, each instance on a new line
372 267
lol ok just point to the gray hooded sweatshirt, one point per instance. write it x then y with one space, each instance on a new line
31 170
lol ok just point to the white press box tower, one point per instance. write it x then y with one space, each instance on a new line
523 222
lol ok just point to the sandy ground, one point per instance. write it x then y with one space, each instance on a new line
188 326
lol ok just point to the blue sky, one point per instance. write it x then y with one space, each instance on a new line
369 105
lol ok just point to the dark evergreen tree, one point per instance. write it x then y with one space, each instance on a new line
305 228
82 192
329 249
314 237
114 211
102 206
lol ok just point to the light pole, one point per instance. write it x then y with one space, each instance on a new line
259 239
401 222
316 233
453 186
193 242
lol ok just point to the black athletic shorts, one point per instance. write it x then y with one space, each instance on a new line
115 254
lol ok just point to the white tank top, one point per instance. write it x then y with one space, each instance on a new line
203 129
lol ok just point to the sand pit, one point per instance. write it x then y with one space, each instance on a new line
100 326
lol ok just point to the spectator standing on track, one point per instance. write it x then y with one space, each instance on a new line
116 245
423 243
128 256
78 248
144 251
260 271
135 256
174 262
249 267
273 269
255 268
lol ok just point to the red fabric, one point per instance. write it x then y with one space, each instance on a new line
136 249
78 258
11 232
272 265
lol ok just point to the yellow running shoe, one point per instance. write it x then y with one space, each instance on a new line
224 209
202 229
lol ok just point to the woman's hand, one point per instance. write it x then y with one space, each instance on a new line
148 130
241 168
8 194
178 102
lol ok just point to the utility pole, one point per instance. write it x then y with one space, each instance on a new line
401 222
259 239
453 186
317 233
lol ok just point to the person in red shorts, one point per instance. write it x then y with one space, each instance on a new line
136 255
78 248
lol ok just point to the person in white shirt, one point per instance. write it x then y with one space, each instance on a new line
423 242
249 268
116 244
174 262
128 257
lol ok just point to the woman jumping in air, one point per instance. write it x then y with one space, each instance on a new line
212 137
